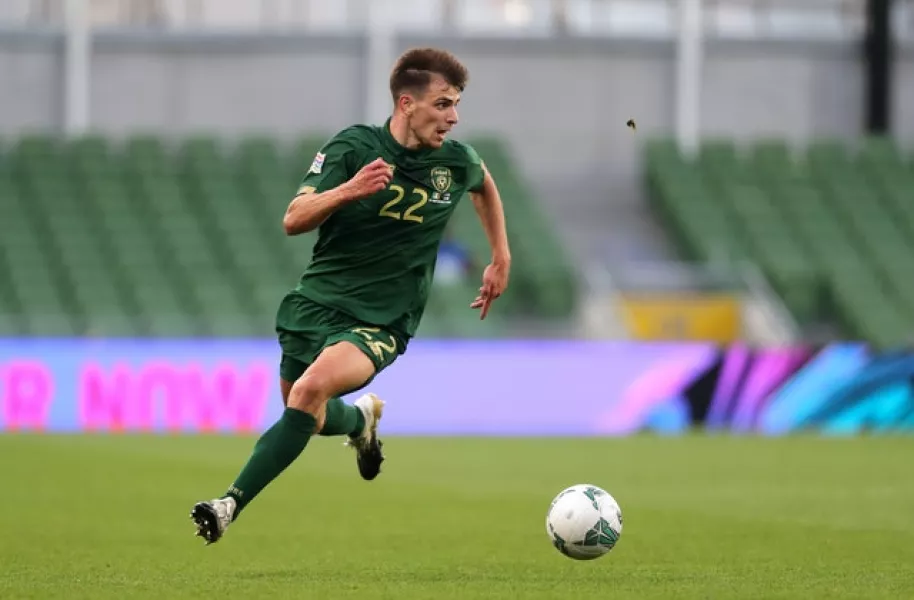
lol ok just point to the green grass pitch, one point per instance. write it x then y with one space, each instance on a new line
106 517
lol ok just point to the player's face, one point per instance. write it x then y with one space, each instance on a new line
434 113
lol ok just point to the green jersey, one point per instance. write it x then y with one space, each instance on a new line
374 259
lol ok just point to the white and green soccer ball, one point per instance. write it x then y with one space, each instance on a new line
584 522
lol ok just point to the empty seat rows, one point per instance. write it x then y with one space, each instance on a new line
831 224
155 237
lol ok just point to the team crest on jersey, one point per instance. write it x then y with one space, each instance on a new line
441 179
318 163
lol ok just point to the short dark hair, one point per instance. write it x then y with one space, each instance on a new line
416 67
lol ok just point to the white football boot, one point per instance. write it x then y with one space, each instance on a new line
367 445
213 518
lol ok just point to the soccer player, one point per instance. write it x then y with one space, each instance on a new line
381 197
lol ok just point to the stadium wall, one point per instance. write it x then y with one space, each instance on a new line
521 89
512 388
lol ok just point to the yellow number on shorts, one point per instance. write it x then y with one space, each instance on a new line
408 214
377 347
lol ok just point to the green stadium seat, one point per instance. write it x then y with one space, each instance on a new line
832 224
182 237
543 281
143 236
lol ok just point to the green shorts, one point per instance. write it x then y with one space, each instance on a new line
305 328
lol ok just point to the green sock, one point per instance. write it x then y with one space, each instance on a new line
276 449
342 419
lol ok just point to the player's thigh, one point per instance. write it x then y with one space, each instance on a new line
380 346
302 328
291 369
340 368
285 388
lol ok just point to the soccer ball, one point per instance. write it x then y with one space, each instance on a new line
584 522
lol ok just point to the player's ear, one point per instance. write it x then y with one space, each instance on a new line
407 104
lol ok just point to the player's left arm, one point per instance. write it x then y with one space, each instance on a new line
490 209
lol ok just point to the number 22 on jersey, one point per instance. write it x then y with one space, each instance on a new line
417 199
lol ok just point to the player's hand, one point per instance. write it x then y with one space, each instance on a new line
494 283
371 179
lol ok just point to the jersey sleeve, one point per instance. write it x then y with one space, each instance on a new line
332 166
475 173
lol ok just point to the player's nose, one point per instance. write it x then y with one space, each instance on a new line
452 117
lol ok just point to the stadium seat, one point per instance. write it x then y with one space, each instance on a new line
831 224
544 283
148 236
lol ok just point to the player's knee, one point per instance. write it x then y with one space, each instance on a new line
310 393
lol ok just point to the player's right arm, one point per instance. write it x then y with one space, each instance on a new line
329 185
